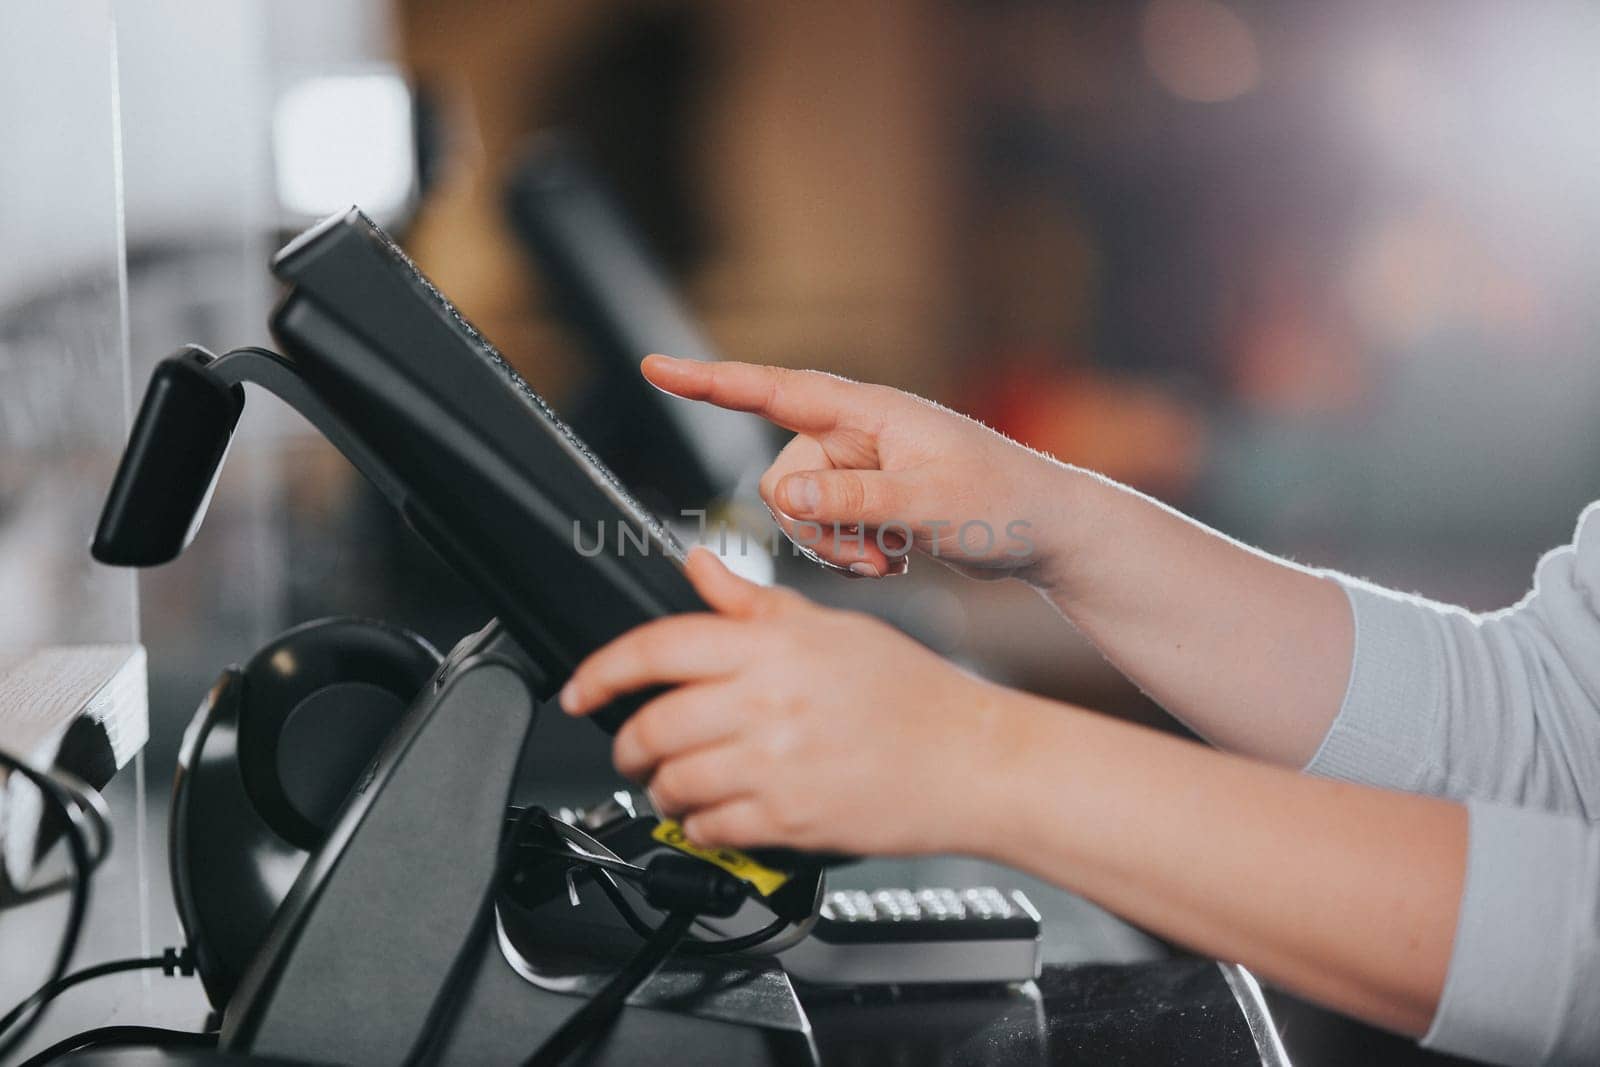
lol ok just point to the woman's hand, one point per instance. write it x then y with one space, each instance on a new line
874 471
1253 654
791 724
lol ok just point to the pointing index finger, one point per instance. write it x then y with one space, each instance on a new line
805 401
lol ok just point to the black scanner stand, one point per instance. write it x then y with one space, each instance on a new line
393 948
389 908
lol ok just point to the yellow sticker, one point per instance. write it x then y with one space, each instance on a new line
765 880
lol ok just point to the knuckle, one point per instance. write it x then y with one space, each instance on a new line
706 830
772 383
751 828
785 595
644 734
892 497
756 757
789 820
777 600
652 649
883 403
768 486
667 787
783 642
647 650
627 754
849 494
721 829
777 742
808 375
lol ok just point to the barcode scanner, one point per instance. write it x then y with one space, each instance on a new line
473 459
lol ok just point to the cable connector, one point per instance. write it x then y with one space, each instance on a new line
674 883
176 961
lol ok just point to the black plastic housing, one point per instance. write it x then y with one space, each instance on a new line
170 466
476 462
237 835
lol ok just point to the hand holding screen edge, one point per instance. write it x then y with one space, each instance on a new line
786 720
736 745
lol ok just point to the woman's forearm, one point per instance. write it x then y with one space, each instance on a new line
1251 652
1345 894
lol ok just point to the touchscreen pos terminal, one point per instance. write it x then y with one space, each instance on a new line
474 460
394 943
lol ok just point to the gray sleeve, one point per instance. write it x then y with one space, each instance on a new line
1523 986
1502 706
1501 710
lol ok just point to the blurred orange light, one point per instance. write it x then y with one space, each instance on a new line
1129 430
1199 50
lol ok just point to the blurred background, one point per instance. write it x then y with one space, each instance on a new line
1320 274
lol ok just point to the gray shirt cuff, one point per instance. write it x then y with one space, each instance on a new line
1523 986
1382 734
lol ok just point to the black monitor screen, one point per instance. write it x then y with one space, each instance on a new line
491 477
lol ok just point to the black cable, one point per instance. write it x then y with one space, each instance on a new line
120 1036
606 863
20 1024
603 869
613 892
591 1020
742 943
171 961
93 807
690 947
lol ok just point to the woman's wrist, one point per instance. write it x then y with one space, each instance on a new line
983 769
1067 509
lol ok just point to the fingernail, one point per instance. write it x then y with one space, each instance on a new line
805 495
865 570
569 698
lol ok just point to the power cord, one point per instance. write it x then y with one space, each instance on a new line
73 805
85 815
725 946
172 961
591 1020
120 1037
93 807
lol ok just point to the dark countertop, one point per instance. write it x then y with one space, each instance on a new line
1170 1012
1107 996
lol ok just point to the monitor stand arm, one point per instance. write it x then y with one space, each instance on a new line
279 376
